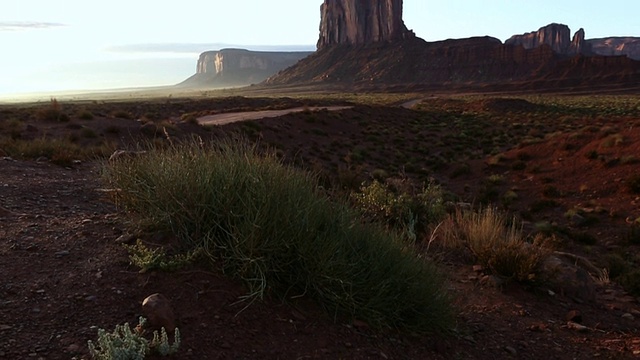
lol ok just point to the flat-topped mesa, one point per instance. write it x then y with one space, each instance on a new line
357 22
557 36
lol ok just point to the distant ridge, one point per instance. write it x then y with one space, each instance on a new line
547 58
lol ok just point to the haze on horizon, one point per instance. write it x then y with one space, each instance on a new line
81 45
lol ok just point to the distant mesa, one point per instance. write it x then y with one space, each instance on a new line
557 36
239 67
366 45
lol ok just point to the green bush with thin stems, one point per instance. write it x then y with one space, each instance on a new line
503 249
269 225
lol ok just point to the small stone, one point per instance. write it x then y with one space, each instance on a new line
73 348
510 350
157 309
91 298
5 327
478 268
576 326
628 316
87 221
62 253
125 239
491 281
470 339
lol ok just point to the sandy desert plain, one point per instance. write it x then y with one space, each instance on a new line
521 211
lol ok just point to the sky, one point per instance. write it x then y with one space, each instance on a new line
52 46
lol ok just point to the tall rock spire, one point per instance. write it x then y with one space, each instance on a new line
361 22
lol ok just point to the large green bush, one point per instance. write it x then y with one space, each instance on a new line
268 225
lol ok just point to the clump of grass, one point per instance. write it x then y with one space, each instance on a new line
270 226
59 151
501 248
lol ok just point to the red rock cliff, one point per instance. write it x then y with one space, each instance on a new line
557 36
361 22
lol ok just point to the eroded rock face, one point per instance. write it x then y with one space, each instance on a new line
239 67
361 22
229 60
615 46
557 36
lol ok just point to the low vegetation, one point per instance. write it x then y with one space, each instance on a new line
487 238
269 225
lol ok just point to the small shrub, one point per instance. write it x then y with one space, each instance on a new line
88 133
121 114
112 129
633 184
519 165
500 248
401 208
86 115
616 265
633 234
53 113
127 344
151 259
551 191
631 282
592 155
540 205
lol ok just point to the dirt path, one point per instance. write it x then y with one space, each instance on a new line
226 118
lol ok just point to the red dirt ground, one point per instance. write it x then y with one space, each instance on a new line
64 275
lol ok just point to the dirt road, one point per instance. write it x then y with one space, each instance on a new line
226 118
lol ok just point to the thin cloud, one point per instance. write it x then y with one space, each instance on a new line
27 25
198 48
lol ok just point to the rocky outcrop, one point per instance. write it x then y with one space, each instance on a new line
239 67
556 36
357 22
615 46
578 44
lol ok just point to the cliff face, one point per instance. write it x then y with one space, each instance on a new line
239 67
228 61
356 22
556 36
612 46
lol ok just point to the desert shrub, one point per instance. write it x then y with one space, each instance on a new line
616 265
52 113
400 206
59 151
485 236
88 133
122 114
85 115
631 282
147 258
130 344
270 225
633 184
633 234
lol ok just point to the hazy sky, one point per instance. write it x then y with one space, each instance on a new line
89 44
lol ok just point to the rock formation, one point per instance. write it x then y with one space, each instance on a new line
557 36
239 67
616 46
361 22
